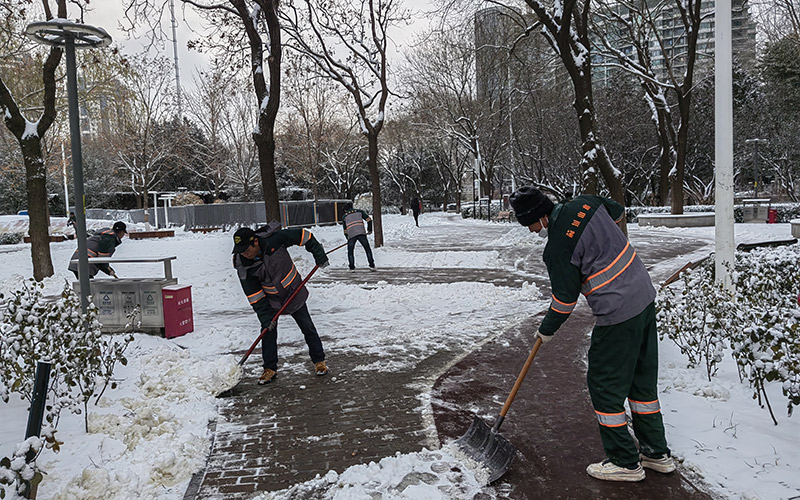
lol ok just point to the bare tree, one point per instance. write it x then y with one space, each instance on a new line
238 122
314 109
566 28
318 29
639 23
141 150
242 26
40 100
208 105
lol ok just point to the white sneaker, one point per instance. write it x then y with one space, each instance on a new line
372 268
608 471
664 465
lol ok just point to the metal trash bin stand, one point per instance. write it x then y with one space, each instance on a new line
117 298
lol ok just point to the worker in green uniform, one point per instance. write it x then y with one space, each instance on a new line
587 253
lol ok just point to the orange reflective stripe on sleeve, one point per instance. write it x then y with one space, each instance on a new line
561 307
644 407
607 275
255 297
611 419
270 290
287 280
91 252
305 236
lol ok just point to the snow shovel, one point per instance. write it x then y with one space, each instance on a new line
483 444
271 326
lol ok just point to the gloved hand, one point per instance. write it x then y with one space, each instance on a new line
545 338
324 264
113 273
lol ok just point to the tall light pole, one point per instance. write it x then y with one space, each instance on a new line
723 145
71 36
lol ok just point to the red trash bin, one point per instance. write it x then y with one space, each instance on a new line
178 319
772 216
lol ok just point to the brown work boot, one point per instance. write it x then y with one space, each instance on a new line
321 368
267 377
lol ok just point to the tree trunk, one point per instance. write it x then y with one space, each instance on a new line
265 144
680 163
38 224
375 179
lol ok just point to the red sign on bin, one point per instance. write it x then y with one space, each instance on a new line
178 318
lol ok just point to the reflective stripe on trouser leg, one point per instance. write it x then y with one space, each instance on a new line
613 358
648 423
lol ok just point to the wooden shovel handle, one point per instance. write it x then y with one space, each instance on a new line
521 376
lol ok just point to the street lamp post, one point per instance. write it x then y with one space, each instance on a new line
71 36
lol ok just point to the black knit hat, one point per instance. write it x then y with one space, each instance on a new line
530 205
120 226
242 239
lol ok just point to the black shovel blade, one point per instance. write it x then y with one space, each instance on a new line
488 448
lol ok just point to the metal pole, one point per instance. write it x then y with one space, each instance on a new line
77 173
175 55
64 173
723 145
36 414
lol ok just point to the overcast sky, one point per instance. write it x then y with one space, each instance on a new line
108 14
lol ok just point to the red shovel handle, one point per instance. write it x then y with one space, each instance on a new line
274 321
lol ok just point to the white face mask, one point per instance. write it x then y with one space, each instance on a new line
543 231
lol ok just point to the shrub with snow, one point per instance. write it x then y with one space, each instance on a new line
36 328
760 325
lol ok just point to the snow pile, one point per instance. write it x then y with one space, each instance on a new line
443 474
150 435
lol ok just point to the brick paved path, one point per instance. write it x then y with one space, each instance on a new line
270 437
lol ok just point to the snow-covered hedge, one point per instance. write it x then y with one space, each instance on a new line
36 328
760 326
10 238
786 211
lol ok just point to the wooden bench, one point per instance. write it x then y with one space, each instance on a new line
140 235
503 215
54 238
205 230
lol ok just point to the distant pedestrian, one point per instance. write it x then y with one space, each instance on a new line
588 253
416 209
354 230
103 243
71 220
268 278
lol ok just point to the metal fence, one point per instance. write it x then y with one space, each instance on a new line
226 215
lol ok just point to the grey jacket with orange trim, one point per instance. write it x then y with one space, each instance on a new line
270 279
587 253
102 243
353 223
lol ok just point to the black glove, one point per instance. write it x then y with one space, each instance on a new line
324 264
113 273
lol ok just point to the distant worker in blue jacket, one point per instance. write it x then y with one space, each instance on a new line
354 230
103 243
587 253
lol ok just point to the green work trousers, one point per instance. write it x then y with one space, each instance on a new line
623 363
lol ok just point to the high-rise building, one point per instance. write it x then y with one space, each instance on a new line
669 48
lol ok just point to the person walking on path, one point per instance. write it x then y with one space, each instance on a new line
103 243
354 230
587 252
416 209
268 278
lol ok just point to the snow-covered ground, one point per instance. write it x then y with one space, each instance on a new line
149 435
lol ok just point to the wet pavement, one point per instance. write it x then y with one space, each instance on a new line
270 437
